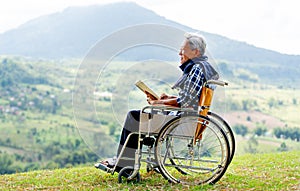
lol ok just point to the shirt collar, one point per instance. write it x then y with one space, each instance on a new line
186 66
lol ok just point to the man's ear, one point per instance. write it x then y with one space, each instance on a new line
197 52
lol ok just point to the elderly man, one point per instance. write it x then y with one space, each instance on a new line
196 71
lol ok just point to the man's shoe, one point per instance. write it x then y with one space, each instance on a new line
106 164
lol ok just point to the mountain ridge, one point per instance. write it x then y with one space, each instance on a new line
72 32
75 29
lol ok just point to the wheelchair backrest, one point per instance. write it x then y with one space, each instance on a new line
204 104
205 100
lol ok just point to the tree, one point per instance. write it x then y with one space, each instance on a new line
272 102
223 66
259 131
295 134
112 128
240 129
277 132
252 145
283 147
295 101
292 133
5 164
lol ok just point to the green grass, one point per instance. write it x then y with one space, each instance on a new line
275 171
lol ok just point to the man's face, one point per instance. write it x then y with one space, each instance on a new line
187 53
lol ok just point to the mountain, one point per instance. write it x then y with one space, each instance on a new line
72 32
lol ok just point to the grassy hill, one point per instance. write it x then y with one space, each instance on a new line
278 171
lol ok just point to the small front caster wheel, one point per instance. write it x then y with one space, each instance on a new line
125 173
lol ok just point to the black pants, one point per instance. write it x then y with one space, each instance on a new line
131 125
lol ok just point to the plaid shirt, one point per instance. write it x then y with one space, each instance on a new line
190 90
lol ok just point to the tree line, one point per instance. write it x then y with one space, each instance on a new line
278 132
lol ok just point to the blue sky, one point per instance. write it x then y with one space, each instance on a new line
270 24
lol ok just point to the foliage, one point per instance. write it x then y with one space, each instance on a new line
243 105
6 162
240 129
37 129
252 145
287 133
260 131
12 74
283 147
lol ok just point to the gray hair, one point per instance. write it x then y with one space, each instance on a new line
196 41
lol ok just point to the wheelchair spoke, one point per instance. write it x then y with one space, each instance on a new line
188 162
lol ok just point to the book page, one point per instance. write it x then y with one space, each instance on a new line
142 86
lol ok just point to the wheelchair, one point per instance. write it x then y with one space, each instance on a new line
183 145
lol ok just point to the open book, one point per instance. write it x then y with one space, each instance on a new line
142 86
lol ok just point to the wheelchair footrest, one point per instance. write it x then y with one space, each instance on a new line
103 167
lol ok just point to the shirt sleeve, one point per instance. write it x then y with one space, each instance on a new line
191 90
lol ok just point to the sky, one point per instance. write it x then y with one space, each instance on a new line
269 24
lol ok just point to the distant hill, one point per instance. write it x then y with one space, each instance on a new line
72 32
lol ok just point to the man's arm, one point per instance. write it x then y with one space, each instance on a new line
164 100
170 102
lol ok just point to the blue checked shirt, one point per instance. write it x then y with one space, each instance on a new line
195 74
190 92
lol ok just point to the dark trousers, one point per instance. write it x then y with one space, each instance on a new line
131 125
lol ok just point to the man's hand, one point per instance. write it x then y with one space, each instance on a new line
150 96
152 100
164 99
164 96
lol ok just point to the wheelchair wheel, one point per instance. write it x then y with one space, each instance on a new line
227 129
181 161
125 173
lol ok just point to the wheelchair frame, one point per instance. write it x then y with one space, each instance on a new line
188 168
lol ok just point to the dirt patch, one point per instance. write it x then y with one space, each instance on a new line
272 143
252 118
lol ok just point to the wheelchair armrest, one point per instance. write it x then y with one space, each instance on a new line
217 82
163 108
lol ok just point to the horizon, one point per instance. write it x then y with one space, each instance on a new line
266 29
